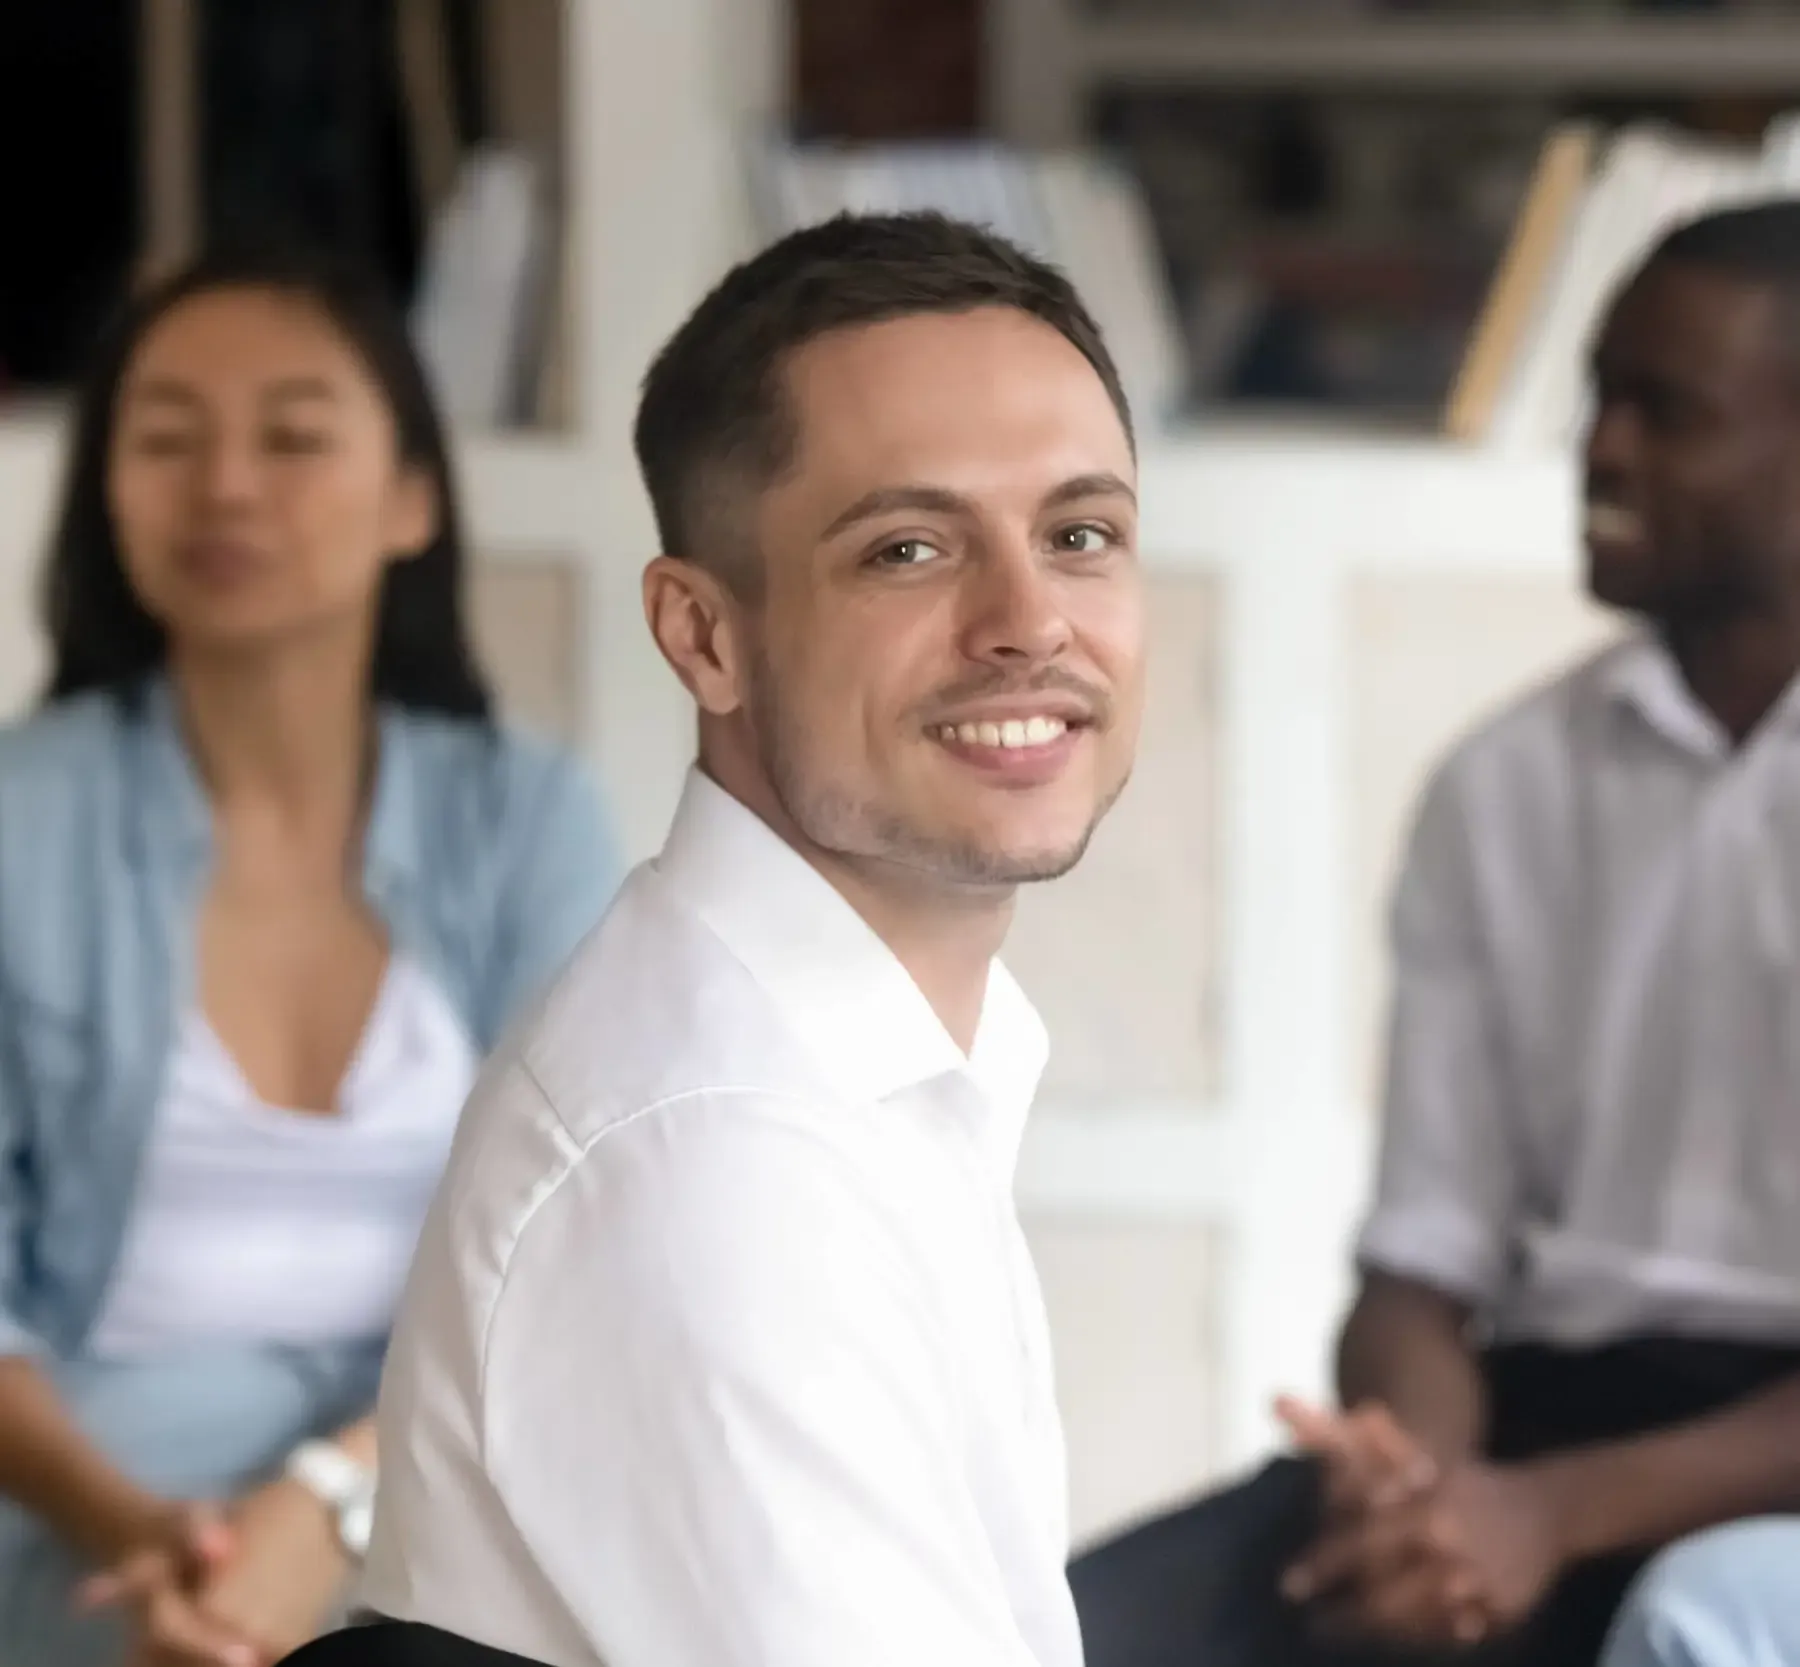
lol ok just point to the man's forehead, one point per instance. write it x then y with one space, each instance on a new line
1695 308
953 404
948 481
994 351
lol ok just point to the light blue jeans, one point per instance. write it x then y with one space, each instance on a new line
1727 1598
205 1425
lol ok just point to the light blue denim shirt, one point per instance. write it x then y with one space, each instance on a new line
486 857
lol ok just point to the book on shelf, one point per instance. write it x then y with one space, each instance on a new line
490 306
1592 213
478 315
1076 209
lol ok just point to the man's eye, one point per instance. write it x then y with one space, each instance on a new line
1084 540
907 552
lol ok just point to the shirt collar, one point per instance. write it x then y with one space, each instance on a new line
177 820
1644 677
843 991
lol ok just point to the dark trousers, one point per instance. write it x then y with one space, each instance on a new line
1200 1588
373 1642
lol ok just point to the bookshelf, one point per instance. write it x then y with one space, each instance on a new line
1458 54
1332 190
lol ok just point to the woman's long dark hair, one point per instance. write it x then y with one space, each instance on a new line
101 635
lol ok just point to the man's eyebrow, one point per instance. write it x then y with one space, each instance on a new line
1104 484
887 500
939 500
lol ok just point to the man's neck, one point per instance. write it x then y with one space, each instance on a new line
1739 668
945 936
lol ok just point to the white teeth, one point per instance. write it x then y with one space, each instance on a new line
1609 521
1012 733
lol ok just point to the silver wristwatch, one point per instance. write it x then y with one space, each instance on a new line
343 1486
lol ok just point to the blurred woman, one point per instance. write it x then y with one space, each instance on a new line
272 879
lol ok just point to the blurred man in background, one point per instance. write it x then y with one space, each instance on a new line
1578 1333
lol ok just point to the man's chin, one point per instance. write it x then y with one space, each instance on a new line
1029 848
1626 581
1034 867
981 862
1027 862
999 839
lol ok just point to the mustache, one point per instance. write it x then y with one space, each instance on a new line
1096 704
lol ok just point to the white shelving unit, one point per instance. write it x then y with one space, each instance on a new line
1285 526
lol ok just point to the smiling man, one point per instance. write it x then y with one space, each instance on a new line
723 1346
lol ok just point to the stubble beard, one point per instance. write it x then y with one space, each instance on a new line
850 828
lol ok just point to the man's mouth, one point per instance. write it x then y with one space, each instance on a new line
1608 523
1014 734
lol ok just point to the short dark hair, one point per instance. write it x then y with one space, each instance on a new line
1758 242
712 418
102 636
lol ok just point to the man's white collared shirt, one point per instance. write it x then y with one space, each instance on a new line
723 1347
1593 1117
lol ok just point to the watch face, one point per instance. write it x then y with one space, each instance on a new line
356 1523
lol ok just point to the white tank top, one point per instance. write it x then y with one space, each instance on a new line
253 1223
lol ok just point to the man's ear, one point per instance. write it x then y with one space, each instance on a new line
698 626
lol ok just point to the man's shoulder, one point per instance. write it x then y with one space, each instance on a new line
1535 732
705 1191
652 1032
630 1165
689 1226
651 1009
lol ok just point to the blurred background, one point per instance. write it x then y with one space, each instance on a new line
1347 250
